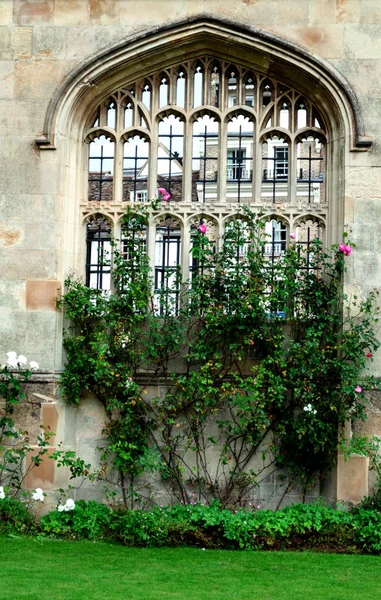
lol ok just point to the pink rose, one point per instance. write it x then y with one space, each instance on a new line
202 228
164 194
358 389
346 250
292 236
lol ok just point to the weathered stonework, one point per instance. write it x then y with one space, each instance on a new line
54 66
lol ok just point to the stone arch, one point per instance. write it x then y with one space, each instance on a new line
269 54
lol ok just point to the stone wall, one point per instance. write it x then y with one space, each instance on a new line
42 42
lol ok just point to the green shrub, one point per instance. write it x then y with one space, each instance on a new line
141 528
298 527
88 520
14 517
367 524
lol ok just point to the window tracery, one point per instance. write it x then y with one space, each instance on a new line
215 135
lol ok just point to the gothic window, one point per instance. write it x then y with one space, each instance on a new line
214 135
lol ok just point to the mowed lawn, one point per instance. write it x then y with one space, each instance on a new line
59 570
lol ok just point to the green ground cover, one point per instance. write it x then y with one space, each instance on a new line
36 569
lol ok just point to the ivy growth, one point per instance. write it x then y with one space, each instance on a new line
258 364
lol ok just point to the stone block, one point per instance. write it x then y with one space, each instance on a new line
61 420
71 12
362 41
33 334
322 12
370 427
348 11
299 15
37 392
22 42
91 418
12 295
42 236
84 41
370 12
352 478
145 13
38 79
6 12
27 417
6 79
39 264
27 12
323 40
41 295
28 207
47 475
22 115
10 235
5 42
49 42
104 12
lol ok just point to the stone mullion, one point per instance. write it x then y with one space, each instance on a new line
118 170
152 160
189 89
222 160
254 161
151 239
257 184
185 251
292 174
187 162
172 87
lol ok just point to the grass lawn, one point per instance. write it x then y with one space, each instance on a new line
60 570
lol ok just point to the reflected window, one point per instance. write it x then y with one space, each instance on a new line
163 92
239 168
128 115
146 95
135 168
310 169
205 157
167 267
111 115
275 239
98 254
180 89
170 156
214 99
198 80
101 169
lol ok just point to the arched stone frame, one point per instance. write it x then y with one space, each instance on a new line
77 97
